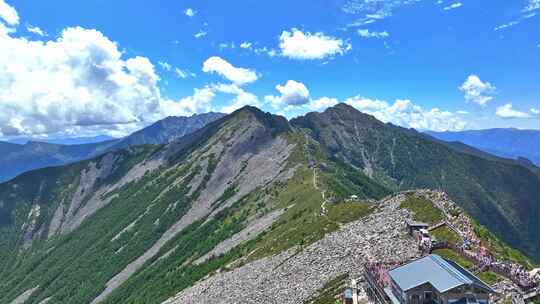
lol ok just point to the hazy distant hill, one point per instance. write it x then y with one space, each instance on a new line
510 143
18 158
63 141
169 129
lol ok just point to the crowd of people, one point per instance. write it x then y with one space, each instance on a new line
472 249
518 273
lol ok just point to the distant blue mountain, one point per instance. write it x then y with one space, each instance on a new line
508 143
26 154
62 141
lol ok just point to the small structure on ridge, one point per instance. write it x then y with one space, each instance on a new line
427 280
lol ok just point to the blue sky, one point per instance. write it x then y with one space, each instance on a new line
441 65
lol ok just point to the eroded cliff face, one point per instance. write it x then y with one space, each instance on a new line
173 188
57 200
242 156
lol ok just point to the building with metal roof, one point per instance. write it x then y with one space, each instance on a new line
435 280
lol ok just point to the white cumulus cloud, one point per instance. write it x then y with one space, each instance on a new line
199 102
405 113
477 91
295 97
307 46
322 103
242 98
80 83
507 111
223 68
80 79
293 93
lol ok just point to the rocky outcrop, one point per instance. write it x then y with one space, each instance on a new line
295 275
90 196
24 296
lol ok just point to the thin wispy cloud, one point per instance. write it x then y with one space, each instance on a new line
365 33
533 5
506 25
183 73
165 65
531 9
370 11
246 45
453 6
200 34
36 30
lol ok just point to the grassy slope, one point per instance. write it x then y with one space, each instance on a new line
423 209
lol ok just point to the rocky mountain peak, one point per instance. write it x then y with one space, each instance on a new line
349 113
275 123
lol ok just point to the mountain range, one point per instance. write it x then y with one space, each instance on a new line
18 158
143 223
62 140
508 143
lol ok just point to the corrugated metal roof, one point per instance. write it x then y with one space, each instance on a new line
442 274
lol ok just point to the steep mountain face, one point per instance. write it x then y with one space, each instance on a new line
16 159
501 194
249 200
509 143
143 211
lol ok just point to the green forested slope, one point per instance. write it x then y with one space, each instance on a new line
503 195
